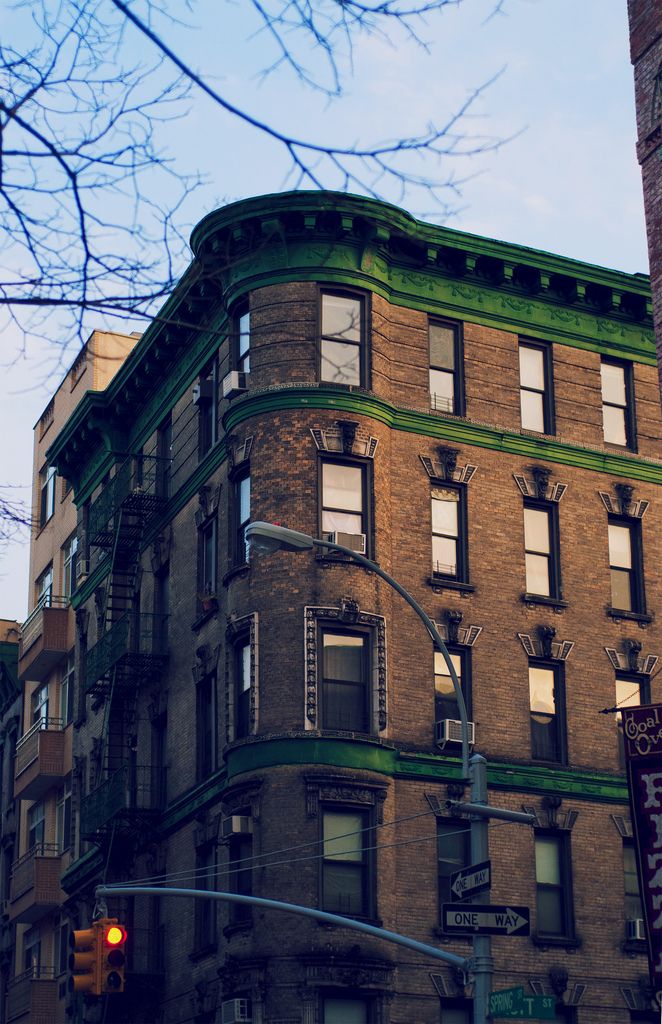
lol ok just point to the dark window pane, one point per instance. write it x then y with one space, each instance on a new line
621 590
550 911
343 657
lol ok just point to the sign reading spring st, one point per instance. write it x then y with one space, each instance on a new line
642 733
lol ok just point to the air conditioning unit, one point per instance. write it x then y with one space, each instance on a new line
635 930
449 730
236 1011
354 541
203 391
82 570
237 825
234 383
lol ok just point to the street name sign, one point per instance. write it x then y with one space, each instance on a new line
469 881
485 919
513 1004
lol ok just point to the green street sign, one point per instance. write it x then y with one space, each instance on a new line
512 1003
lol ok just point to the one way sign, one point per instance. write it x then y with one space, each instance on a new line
469 881
485 919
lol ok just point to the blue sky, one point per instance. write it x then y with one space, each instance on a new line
567 182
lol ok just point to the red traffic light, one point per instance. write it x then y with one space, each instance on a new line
114 935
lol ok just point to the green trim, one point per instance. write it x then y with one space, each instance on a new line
460 431
193 800
358 754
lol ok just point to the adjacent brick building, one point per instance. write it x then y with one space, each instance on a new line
482 419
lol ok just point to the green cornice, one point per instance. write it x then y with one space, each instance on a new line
459 431
338 238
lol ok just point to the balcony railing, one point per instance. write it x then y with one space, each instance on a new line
137 487
39 760
135 644
130 794
35 883
33 995
44 637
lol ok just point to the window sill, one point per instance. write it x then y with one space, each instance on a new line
236 570
448 583
619 613
531 600
202 951
558 941
635 947
334 557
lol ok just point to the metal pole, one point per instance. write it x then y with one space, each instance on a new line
292 908
482 950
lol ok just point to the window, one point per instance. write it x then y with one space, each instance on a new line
630 691
343 498
161 608
36 826
618 425
44 588
457 1012
67 689
242 656
63 818
61 957
547 713
626 565
541 550
46 494
242 517
69 551
535 391
338 1010
453 853
553 886
207 408
240 855
345 675
205 910
633 908
345 888
445 700
242 336
164 457
39 704
341 345
446 384
32 950
449 555
207 561
206 726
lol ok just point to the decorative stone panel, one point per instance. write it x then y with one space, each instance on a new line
345 439
630 659
544 645
537 485
445 466
343 789
621 504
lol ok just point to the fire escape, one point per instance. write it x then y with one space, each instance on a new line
130 653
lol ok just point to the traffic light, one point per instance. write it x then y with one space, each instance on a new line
84 961
112 937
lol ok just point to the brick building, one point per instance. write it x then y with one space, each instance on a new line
482 419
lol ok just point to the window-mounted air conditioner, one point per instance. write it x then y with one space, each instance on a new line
82 570
203 391
354 541
237 825
634 929
234 383
236 1011
449 730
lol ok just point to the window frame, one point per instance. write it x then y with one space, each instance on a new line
206 728
47 478
464 654
207 581
565 887
548 407
240 876
239 552
558 670
365 466
240 360
461 574
367 869
629 416
636 571
338 629
67 687
205 931
69 560
241 648
455 826
44 593
365 316
554 557
207 409
642 681
63 817
345 996
459 399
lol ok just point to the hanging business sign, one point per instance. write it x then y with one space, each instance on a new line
642 733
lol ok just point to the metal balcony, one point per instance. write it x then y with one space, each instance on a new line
32 997
40 759
138 490
43 638
35 883
133 650
127 800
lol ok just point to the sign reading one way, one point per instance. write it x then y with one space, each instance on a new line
469 881
485 919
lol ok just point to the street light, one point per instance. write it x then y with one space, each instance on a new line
267 538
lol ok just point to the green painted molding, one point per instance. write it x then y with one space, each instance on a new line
455 429
193 800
